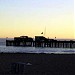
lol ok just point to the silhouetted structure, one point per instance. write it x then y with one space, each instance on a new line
40 41
20 41
17 68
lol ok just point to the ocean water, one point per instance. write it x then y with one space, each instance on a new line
12 49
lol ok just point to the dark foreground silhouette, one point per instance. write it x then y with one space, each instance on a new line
37 64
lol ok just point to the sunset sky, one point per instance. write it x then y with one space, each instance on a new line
31 17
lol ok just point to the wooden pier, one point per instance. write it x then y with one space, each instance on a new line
40 41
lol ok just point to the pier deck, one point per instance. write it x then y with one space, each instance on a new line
40 41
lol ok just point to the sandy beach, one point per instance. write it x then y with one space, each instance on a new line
38 64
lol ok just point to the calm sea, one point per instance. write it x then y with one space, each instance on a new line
12 49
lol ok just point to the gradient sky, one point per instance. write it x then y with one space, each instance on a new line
31 17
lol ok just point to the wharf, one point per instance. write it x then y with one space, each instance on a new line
40 41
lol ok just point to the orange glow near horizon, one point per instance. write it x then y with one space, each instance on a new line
20 19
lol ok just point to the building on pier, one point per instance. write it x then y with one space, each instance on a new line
40 41
20 41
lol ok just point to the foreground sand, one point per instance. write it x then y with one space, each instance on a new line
39 64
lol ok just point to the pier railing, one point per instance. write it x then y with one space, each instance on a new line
40 41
